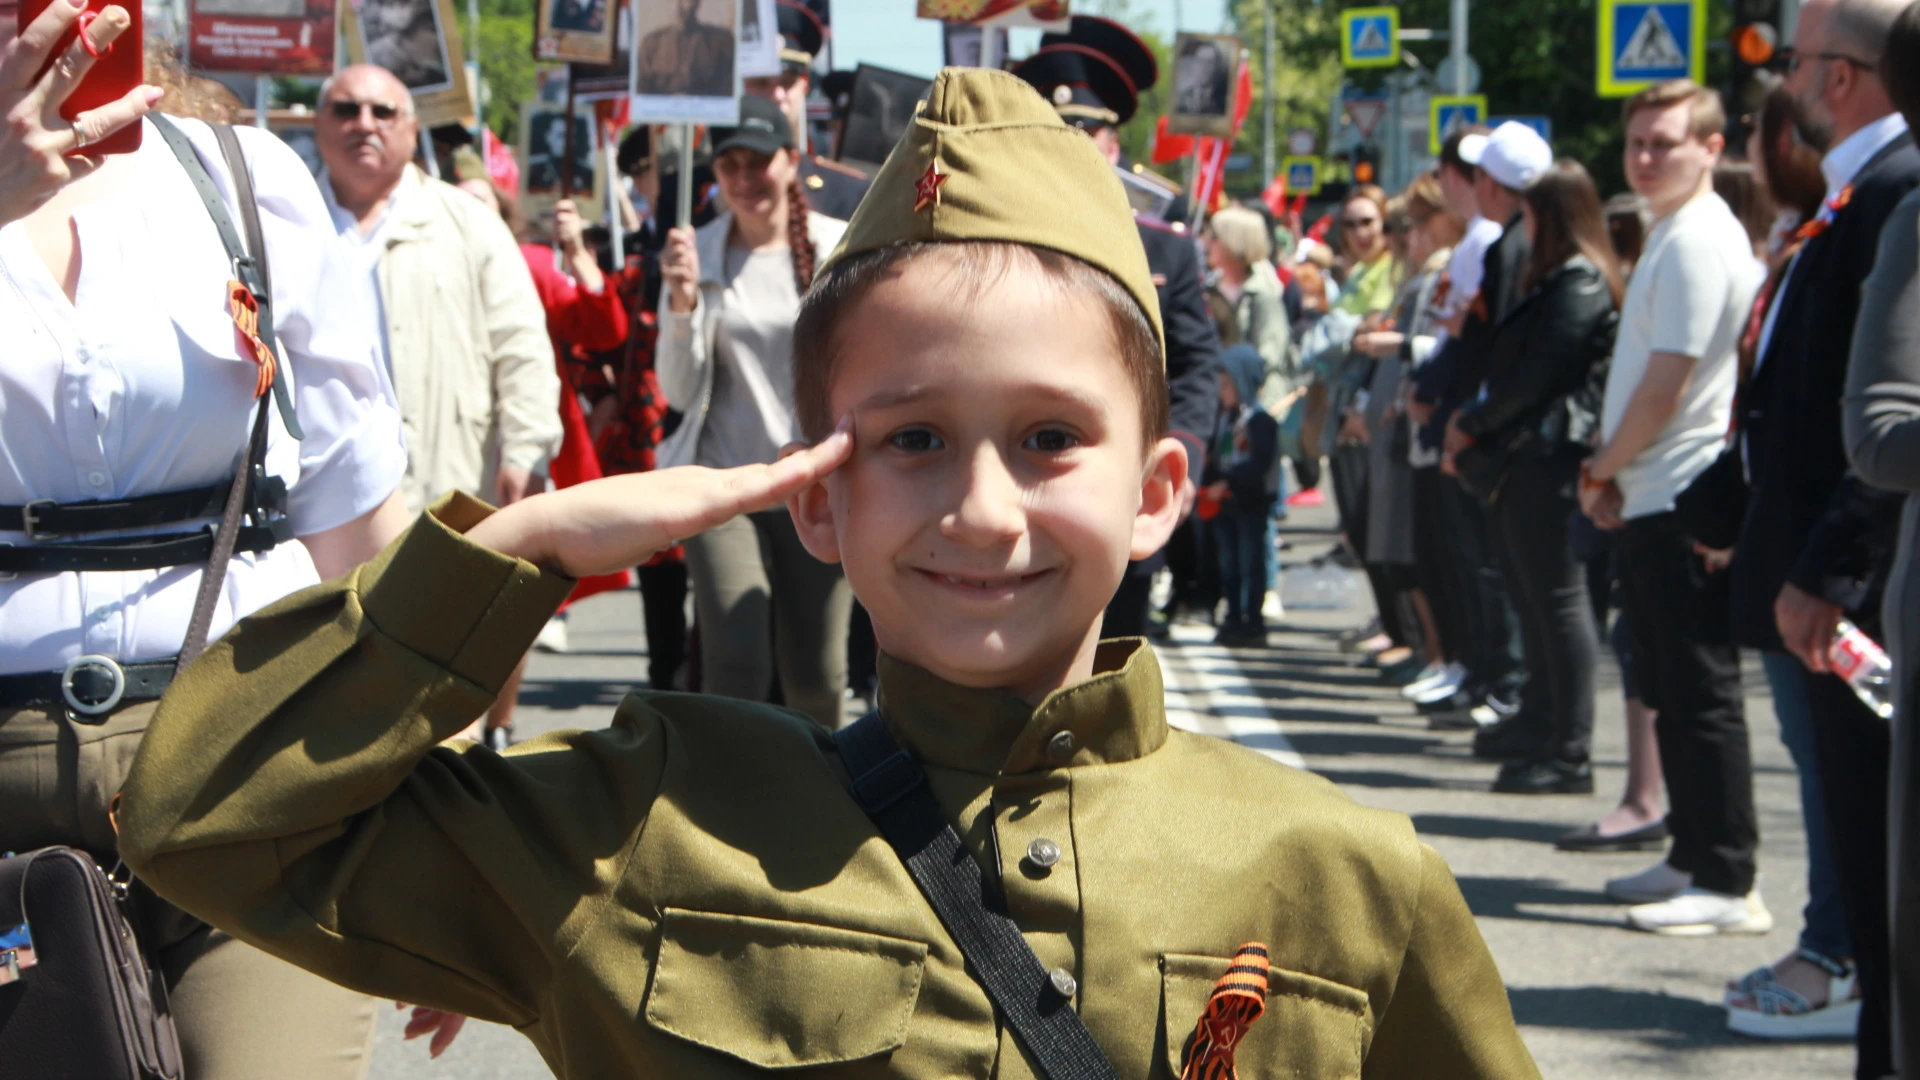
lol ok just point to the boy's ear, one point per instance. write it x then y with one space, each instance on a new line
1163 497
812 511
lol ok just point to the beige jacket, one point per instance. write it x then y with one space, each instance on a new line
472 364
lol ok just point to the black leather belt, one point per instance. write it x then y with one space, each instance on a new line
90 686
46 520
136 552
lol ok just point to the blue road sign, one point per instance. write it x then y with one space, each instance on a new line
1370 37
1541 125
1448 111
1643 42
1302 175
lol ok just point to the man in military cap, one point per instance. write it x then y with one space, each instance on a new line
1093 75
832 188
716 888
693 57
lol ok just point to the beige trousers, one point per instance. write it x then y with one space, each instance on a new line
241 1014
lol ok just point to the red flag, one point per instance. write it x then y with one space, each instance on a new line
1168 146
501 166
1275 196
1242 97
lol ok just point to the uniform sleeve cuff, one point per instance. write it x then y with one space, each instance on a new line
468 608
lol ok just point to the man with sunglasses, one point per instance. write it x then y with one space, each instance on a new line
463 334
1813 544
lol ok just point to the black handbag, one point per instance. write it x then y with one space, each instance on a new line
1714 505
1482 467
77 999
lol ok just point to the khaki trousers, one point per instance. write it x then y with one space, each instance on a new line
241 1014
765 604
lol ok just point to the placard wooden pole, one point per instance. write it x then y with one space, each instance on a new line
566 163
683 211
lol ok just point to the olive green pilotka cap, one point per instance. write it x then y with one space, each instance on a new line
987 158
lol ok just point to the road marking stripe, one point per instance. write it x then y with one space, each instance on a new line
1215 698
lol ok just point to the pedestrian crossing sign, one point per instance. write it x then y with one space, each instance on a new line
1370 37
1446 112
1643 42
1302 175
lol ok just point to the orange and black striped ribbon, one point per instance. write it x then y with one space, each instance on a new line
246 319
1238 999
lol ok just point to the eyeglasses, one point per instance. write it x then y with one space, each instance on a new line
1790 61
348 111
1359 223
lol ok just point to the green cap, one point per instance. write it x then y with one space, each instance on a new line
987 158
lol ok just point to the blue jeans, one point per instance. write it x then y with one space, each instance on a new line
1825 930
1239 536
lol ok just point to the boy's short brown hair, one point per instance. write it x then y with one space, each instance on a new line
828 307
1705 114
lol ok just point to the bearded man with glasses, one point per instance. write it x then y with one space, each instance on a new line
1814 546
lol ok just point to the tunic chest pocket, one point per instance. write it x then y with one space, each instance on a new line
781 995
1313 1028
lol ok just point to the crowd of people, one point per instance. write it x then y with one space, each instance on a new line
1539 408
1679 421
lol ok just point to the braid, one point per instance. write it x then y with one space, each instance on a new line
799 240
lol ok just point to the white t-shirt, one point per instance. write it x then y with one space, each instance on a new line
1466 269
1690 294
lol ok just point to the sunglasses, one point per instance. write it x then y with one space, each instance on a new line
1359 223
1791 61
349 111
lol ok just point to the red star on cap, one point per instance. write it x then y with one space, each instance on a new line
927 189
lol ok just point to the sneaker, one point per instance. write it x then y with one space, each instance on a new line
499 738
1430 675
1544 777
553 636
1271 609
1701 913
1650 886
1434 693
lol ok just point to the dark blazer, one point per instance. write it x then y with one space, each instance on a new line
1454 375
1808 521
1547 363
832 189
1193 345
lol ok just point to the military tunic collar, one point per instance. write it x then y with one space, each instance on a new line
1118 715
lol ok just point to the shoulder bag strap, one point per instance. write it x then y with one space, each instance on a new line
214 576
890 786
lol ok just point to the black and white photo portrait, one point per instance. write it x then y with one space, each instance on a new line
579 16
688 66
405 37
1203 70
546 148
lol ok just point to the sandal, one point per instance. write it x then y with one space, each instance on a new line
1773 1011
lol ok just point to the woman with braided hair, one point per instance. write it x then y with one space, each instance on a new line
724 358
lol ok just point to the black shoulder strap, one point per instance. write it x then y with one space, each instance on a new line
250 269
890 786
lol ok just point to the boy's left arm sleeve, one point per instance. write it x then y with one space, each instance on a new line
1449 1015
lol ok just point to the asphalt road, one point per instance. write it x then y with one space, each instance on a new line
1594 1000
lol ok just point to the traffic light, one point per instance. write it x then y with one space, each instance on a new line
1756 40
1366 164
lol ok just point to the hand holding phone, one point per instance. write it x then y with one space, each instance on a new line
70 119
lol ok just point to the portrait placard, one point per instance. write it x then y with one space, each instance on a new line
1203 69
418 41
577 31
262 37
881 108
543 154
688 66
297 132
596 82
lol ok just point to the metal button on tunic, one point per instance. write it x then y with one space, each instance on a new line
1062 982
1043 853
1061 746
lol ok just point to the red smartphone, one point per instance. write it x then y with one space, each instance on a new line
121 68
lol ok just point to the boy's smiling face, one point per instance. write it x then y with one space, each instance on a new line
999 482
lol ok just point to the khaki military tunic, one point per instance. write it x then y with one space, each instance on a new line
691 893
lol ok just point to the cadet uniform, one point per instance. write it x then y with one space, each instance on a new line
1093 75
692 892
832 189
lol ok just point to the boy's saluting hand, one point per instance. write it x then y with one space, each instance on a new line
622 521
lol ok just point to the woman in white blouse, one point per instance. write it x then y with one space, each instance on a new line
724 357
122 379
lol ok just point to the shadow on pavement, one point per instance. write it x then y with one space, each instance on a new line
1334 743
1300 714
1485 828
574 693
1500 898
1608 1008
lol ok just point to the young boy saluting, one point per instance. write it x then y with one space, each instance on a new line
693 891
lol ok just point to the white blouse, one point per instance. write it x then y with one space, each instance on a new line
138 388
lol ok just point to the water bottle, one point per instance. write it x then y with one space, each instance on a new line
1864 665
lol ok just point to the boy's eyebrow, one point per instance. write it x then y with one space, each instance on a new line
908 395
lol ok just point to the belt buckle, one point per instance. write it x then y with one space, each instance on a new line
98 707
31 524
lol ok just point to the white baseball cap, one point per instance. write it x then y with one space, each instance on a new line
1473 145
1512 155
